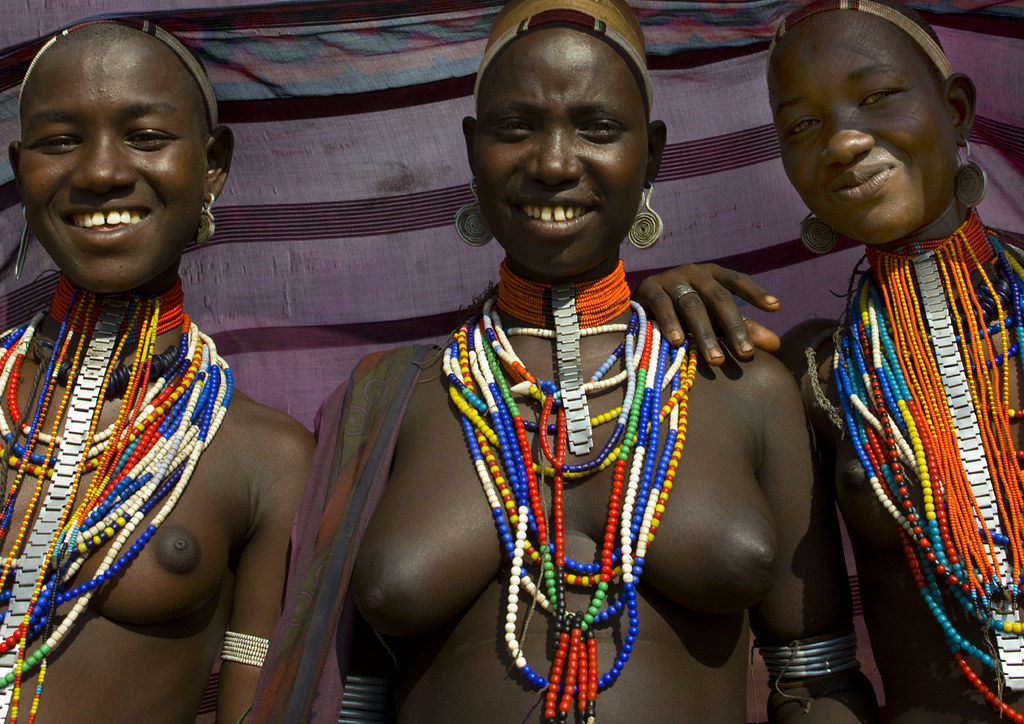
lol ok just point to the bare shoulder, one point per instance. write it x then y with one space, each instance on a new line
261 451
807 351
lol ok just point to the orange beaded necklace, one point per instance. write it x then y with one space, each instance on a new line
598 301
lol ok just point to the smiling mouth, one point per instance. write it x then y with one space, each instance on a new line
553 213
109 219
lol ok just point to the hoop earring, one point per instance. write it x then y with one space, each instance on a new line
817 236
470 224
647 227
207 224
970 181
19 261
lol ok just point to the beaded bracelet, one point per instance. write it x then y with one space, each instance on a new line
244 648
829 654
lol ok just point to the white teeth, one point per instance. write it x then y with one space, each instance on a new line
557 213
111 218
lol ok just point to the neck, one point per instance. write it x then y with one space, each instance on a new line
172 316
598 301
970 239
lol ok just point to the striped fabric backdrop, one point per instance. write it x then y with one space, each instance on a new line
334 236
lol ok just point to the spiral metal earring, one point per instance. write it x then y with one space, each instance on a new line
970 181
647 227
817 236
470 224
19 261
207 224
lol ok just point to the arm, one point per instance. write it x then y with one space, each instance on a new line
273 452
810 597
708 306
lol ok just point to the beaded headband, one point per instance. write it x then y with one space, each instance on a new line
612 22
911 29
192 65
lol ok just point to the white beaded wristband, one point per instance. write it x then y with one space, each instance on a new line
244 648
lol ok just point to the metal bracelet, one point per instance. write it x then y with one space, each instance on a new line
368 699
821 655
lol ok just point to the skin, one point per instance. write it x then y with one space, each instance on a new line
115 130
560 120
871 107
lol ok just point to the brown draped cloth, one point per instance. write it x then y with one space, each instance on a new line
357 427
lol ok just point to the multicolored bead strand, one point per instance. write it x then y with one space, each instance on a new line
892 369
140 464
485 377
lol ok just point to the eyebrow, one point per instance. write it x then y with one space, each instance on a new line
127 113
858 74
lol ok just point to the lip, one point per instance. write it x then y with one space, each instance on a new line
862 181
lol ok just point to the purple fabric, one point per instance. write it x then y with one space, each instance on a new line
334 235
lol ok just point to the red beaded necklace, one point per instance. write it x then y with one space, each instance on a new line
172 316
598 301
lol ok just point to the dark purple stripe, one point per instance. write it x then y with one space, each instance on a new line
401 331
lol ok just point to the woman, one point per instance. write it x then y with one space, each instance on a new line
450 577
914 399
145 512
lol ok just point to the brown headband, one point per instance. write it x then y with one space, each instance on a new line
194 68
911 29
608 20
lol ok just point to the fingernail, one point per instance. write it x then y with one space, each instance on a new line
746 348
715 354
676 337
771 300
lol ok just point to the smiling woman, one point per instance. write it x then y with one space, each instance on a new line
566 520
916 394
144 513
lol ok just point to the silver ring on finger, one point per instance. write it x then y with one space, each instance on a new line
680 291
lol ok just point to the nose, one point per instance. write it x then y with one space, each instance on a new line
846 144
556 162
103 167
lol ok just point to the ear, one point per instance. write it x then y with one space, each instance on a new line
656 137
960 97
13 154
218 159
469 133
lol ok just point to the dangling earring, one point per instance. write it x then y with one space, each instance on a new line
19 262
817 236
647 226
207 224
470 224
970 181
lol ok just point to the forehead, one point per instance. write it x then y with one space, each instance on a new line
560 59
840 43
110 65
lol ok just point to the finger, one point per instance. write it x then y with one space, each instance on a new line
660 305
730 322
695 314
762 337
744 287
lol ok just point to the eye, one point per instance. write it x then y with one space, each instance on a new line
876 96
512 129
149 140
801 126
601 131
55 144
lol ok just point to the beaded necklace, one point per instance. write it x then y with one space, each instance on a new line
485 376
926 401
139 464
